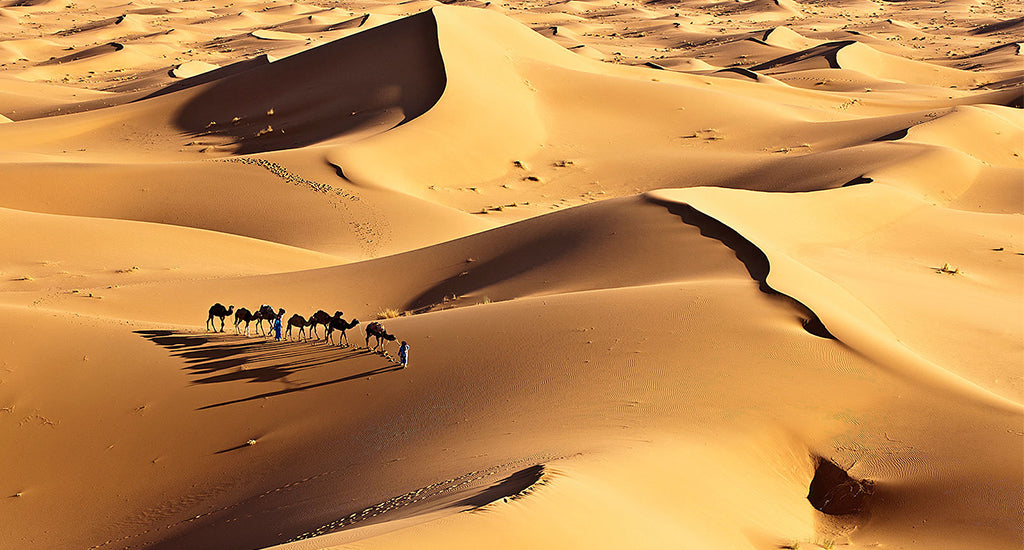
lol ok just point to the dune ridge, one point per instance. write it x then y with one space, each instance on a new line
674 274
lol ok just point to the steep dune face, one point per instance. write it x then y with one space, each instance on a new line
880 314
599 246
726 275
671 345
503 109
377 79
570 114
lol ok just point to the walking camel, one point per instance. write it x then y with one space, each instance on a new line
218 310
243 316
266 313
377 330
340 324
322 318
298 321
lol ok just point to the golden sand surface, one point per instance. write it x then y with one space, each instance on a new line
674 274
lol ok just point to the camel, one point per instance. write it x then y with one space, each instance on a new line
321 318
298 321
266 313
340 324
218 310
243 316
377 330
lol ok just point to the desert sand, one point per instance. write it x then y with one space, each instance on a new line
733 275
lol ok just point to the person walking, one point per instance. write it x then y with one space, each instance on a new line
403 354
277 327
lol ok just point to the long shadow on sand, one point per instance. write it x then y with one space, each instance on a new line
227 358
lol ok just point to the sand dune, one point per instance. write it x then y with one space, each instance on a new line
674 274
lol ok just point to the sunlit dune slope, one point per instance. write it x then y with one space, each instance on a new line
741 275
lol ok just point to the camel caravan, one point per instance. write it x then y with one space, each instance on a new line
275 321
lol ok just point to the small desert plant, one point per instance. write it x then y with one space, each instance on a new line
388 313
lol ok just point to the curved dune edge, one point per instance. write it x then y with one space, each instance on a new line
192 68
628 356
864 59
47 252
380 78
844 315
206 384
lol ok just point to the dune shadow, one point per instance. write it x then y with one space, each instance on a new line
375 79
828 51
832 491
752 258
528 255
507 488
894 136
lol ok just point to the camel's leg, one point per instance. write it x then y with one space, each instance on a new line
208 319
345 336
222 324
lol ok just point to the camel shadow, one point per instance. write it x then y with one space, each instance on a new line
218 357
381 370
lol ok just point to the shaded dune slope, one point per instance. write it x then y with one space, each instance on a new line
861 314
688 291
601 246
610 245
826 347
485 91
378 78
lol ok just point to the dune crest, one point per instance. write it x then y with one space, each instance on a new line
672 274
